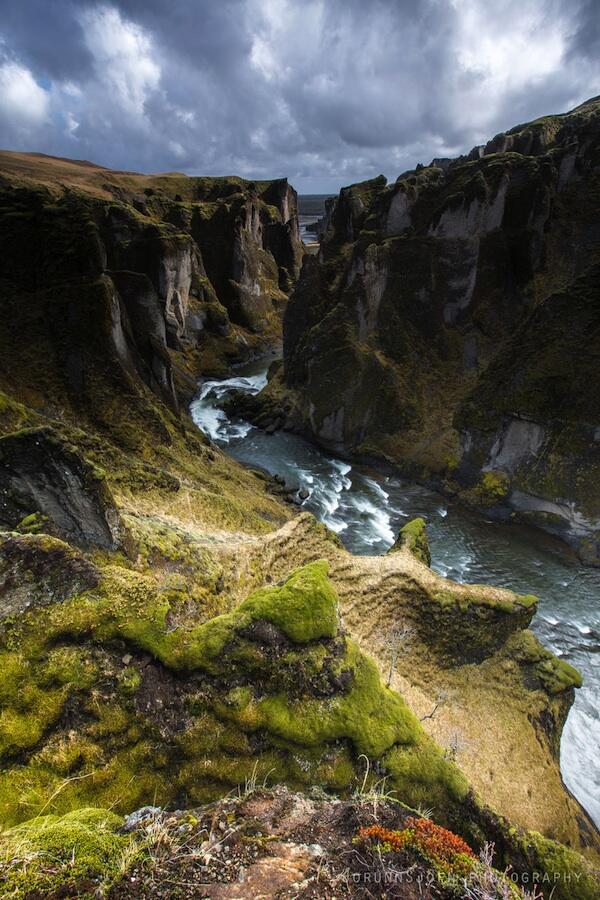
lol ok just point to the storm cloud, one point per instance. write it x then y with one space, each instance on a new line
323 91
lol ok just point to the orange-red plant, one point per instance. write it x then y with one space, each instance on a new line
395 840
443 849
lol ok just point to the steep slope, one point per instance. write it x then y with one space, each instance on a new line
121 686
467 293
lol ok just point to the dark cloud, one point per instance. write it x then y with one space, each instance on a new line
324 91
585 41
46 36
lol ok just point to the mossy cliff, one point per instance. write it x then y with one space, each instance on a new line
185 274
413 536
184 713
467 291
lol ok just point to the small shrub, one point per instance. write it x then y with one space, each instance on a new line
445 851
492 488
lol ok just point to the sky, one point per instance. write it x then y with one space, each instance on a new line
324 92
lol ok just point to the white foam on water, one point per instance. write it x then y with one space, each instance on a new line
376 487
381 529
209 419
341 466
582 731
212 420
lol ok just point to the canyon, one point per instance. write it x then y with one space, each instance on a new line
170 630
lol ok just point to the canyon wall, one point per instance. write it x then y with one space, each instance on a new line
144 280
169 631
450 323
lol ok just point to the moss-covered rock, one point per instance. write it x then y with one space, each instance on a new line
413 537
273 687
80 852
36 569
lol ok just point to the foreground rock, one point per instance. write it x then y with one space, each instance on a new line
264 844
273 691
468 293
124 688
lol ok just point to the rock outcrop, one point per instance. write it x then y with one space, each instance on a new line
274 843
118 690
413 536
467 292
45 485
272 690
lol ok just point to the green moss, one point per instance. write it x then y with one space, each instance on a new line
413 536
32 524
422 776
555 675
299 708
304 607
371 716
492 488
468 624
130 680
563 873
80 850
31 702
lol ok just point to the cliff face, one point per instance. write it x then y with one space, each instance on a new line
450 325
178 275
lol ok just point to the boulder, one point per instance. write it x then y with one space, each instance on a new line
36 570
41 474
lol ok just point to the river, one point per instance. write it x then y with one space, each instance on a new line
367 508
